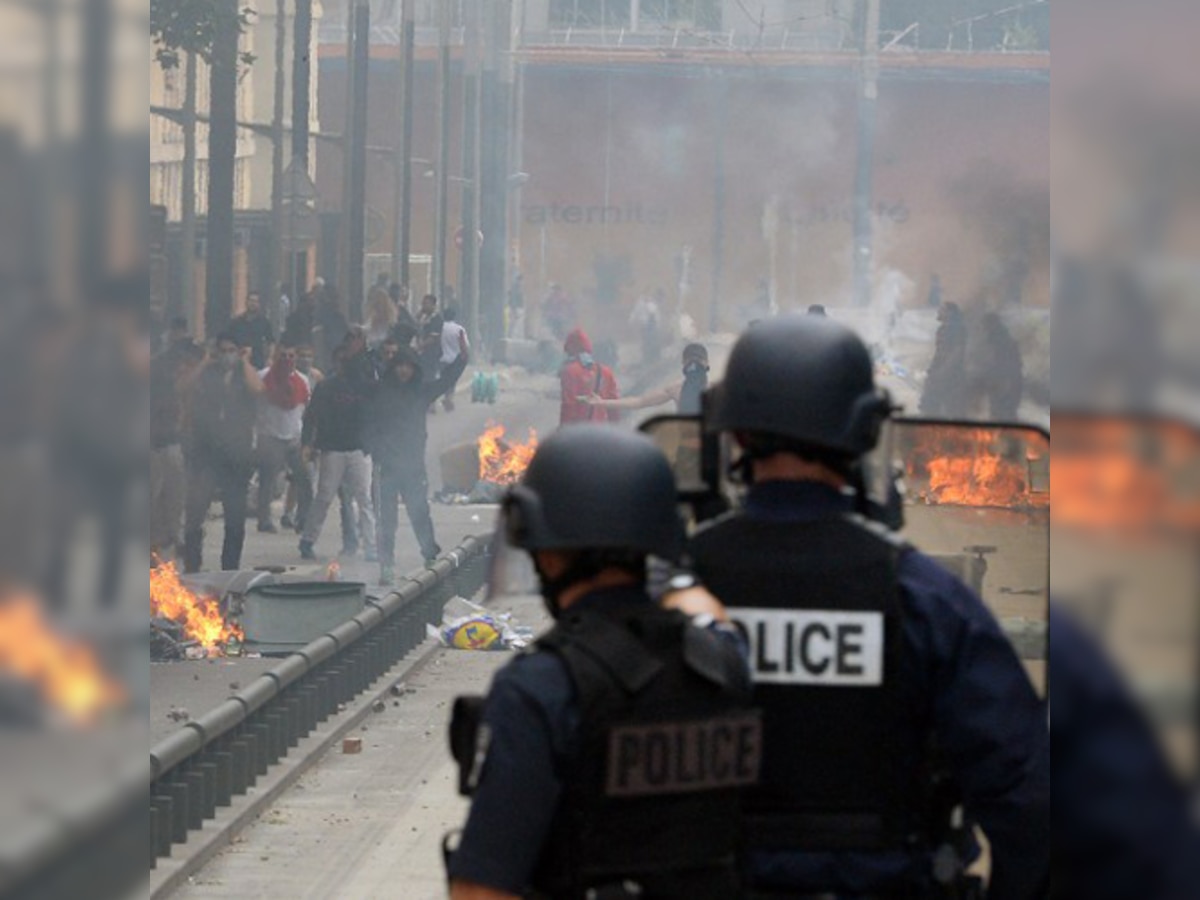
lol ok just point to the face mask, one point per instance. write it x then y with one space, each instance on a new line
303 365
586 359
694 368
229 358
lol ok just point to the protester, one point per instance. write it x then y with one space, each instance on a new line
582 377
996 372
685 393
645 317
381 316
396 437
406 327
945 391
301 322
222 407
330 324
455 355
169 372
251 329
280 417
558 312
333 427
429 338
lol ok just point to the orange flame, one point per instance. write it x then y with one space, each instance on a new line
500 461
971 468
200 616
1125 475
65 672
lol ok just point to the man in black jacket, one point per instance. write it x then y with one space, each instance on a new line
396 434
333 425
220 456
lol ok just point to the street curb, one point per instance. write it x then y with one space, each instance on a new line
171 872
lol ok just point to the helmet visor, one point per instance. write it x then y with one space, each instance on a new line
512 574
976 498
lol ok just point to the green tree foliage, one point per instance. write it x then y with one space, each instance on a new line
194 26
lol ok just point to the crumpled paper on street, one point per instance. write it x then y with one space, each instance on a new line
468 626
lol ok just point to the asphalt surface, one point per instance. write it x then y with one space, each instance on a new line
367 825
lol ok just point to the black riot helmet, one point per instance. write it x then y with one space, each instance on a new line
596 487
806 381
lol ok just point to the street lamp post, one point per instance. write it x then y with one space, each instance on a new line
443 147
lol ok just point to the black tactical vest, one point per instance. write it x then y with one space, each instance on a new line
819 603
667 744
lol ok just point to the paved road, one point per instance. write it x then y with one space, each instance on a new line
367 825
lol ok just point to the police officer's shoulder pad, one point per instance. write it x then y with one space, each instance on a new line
877 529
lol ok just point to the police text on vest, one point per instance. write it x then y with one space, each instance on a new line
681 757
817 647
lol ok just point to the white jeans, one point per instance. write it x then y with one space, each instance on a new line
334 469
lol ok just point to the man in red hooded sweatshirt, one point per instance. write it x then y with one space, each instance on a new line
280 414
581 377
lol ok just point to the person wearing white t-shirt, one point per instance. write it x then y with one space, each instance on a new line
455 353
280 420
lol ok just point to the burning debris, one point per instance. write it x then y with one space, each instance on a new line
1126 476
974 467
479 472
65 672
183 624
503 462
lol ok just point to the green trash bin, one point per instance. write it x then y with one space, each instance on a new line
282 618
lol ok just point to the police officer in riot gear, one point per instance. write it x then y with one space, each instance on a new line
609 759
889 693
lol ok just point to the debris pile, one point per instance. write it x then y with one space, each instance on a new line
184 625
468 626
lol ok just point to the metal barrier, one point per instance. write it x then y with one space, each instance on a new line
222 754
97 848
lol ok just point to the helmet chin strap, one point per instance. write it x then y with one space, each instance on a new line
579 569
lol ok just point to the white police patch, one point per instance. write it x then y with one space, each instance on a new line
818 647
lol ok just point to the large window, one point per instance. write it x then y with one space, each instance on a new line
701 14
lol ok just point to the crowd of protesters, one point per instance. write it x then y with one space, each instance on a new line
327 411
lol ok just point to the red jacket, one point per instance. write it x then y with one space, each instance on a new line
580 380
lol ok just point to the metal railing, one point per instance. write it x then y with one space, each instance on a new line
98 848
207 762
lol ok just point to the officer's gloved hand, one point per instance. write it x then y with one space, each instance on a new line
694 600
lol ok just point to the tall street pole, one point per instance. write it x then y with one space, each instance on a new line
404 222
721 110
863 179
277 164
95 103
301 84
397 270
469 249
189 304
222 167
496 97
357 207
517 159
443 149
